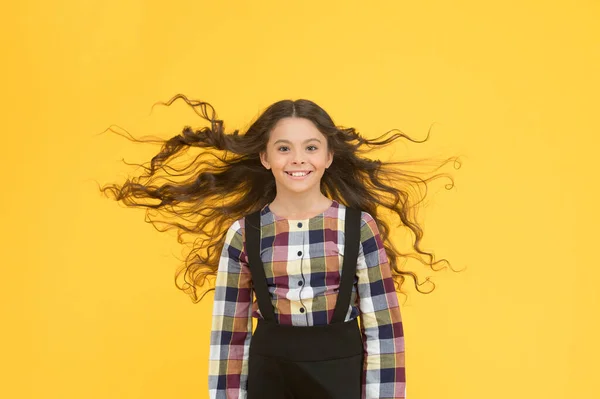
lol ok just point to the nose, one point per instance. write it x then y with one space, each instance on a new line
298 158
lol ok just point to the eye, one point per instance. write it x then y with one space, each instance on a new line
285 146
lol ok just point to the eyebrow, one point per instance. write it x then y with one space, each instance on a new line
287 141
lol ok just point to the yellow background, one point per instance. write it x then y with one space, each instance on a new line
89 307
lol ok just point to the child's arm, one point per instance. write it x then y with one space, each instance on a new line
383 336
231 323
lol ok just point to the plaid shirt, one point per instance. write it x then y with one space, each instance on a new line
313 248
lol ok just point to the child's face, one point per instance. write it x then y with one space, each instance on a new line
295 144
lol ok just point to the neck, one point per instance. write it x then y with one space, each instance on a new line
299 207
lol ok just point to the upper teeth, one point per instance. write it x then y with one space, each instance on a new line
298 173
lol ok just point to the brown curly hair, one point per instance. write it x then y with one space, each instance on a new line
226 181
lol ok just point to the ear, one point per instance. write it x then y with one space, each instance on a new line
329 158
263 159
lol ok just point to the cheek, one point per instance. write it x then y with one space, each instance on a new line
278 163
322 162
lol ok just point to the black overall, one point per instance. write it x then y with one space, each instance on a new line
312 362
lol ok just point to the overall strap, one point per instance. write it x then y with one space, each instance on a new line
351 245
259 279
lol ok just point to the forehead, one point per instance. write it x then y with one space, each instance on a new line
295 129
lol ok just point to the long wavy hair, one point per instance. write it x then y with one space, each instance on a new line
226 181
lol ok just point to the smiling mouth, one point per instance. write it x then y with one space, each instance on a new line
304 175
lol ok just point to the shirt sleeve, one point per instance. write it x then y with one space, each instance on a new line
231 329
381 327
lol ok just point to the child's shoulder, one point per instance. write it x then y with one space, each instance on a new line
236 228
368 226
365 217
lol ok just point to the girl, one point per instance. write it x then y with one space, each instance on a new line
299 247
